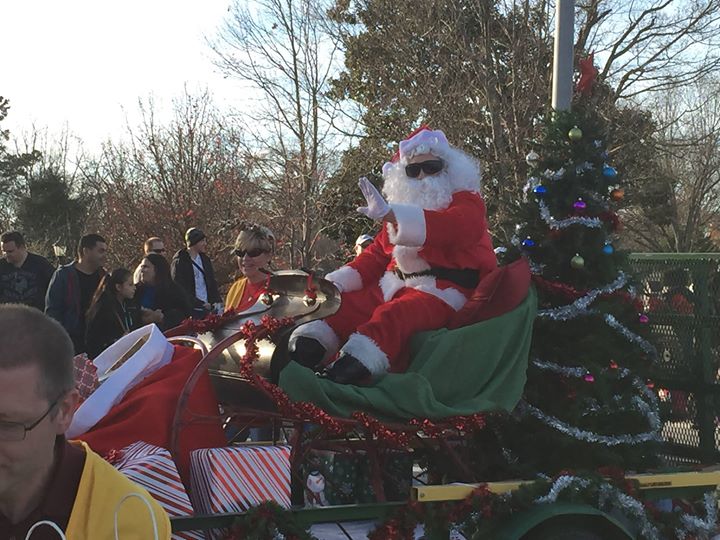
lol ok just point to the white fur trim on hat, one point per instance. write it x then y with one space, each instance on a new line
347 277
367 352
424 142
411 229
319 330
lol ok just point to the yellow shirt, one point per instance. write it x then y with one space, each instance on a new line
235 294
101 489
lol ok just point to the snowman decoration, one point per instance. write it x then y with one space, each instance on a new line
315 490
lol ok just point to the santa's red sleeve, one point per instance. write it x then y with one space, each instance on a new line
367 268
462 223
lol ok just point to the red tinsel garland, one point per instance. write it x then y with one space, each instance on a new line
397 439
309 412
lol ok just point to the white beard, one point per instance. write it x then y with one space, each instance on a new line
432 192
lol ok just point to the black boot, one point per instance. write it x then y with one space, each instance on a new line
348 370
308 352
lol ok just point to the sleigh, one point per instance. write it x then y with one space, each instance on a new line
245 386
245 355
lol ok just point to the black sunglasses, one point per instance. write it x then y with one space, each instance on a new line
158 251
431 166
250 252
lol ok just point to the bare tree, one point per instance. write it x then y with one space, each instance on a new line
685 193
649 46
279 48
168 176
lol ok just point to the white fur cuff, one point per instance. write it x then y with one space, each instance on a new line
320 331
411 227
367 352
347 278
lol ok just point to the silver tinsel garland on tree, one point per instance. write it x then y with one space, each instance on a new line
592 223
648 408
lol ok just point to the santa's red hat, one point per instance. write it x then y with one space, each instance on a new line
421 141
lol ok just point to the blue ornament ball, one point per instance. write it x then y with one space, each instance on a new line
608 249
609 172
528 243
539 190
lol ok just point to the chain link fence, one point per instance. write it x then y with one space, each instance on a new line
681 294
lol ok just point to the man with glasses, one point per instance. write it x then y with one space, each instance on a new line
153 244
43 477
432 251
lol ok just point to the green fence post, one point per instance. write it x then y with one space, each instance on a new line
705 365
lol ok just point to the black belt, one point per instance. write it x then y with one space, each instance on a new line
464 277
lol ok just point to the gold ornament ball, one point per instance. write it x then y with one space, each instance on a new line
575 134
617 194
577 262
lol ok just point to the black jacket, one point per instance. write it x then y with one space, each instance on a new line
183 273
111 322
172 301
27 284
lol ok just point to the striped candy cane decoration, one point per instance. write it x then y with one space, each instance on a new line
152 468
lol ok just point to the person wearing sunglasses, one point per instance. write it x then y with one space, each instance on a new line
42 475
254 248
432 251
154 244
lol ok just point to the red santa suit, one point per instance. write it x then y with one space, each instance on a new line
417 272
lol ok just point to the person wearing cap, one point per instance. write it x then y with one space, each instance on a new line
362 243
192 269
432 251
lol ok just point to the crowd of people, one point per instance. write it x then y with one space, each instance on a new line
97 306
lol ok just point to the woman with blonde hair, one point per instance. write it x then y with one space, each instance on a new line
254 247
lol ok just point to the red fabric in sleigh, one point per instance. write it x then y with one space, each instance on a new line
499 292
146 413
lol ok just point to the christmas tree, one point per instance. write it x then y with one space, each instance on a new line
587 401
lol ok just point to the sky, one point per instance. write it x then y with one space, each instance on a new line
83 64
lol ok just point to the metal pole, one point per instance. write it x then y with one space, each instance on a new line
563 54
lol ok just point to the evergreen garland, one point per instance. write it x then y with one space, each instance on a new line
478 515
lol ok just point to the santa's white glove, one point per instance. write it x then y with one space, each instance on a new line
377 208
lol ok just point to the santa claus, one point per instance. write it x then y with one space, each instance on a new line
432 251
